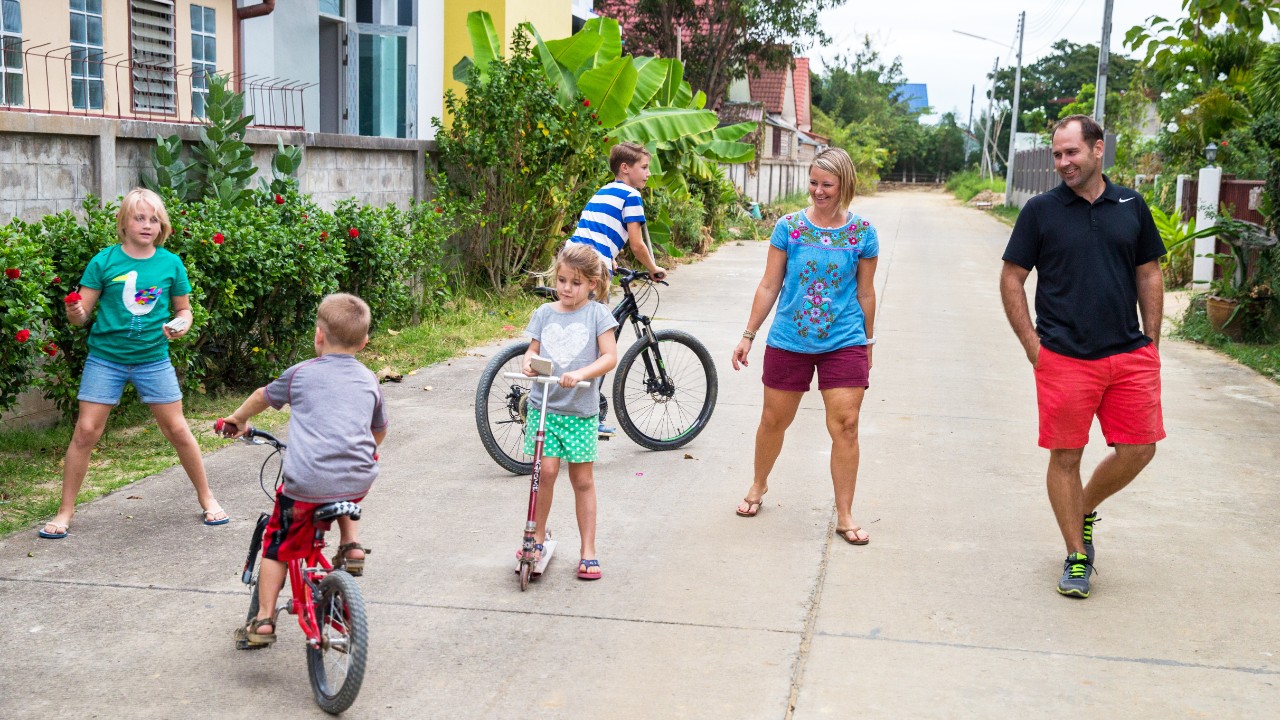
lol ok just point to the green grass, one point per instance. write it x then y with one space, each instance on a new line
1263 357
133 448
964 185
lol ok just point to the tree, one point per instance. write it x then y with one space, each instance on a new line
720 41
1163 38
1056 79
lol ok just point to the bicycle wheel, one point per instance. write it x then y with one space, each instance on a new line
500 410
658 414
336 667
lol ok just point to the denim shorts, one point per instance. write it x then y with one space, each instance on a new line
103 381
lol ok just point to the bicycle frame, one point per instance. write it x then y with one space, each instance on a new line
656 378
304 584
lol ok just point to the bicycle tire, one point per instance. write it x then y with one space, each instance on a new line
500 410
344 638
660 418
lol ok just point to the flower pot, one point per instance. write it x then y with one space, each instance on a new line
1224 318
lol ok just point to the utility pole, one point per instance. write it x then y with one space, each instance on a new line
1013 119
1104 65
985 170
973 90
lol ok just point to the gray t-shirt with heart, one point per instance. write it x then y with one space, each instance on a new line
569 340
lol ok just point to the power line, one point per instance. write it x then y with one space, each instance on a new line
1046 20
1056 36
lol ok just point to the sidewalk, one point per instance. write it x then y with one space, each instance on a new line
949 612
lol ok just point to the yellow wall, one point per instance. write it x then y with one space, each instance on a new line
552 18
48 21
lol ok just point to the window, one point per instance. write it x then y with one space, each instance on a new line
332 7
86 54
204 56
10 53
151 35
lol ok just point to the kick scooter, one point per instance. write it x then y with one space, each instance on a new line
531 566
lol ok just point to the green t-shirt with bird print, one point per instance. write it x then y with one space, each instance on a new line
135 302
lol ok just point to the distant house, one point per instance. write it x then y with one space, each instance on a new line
780 101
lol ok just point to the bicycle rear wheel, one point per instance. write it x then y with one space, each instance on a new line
665 391
336 667
501 405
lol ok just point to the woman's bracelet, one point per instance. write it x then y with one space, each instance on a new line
749 334
871 341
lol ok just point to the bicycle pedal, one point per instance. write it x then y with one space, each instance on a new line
246 645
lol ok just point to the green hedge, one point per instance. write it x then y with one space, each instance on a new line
257 272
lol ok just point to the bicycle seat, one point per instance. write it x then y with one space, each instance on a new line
338 509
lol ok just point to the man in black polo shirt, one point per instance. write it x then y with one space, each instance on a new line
1097 254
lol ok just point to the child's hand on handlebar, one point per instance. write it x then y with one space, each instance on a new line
230 427
570 379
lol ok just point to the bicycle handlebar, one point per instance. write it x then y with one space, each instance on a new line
252 436
544 379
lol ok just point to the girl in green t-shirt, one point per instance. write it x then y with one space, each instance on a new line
142 297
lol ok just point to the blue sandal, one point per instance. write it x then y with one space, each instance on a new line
584 567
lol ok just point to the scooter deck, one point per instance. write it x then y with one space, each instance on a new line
548 549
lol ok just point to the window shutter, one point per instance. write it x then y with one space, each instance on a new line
151 35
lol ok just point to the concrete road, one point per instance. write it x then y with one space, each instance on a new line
950 612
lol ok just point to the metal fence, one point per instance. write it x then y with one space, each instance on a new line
69 81
770 181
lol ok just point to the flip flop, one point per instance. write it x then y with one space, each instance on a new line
62 532
753 506
843 533
588 564
214 511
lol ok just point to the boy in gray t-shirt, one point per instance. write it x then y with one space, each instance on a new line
336 424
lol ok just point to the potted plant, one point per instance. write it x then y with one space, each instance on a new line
1239 285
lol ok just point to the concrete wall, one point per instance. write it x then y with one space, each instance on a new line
52 163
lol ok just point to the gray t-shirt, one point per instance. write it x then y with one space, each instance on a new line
569 339
336 405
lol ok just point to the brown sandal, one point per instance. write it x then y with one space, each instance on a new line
353 566
843 533
753 506
249 637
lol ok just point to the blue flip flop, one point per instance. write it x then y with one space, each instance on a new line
53 535
215 511
585 566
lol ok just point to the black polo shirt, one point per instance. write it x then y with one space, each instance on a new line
1084 256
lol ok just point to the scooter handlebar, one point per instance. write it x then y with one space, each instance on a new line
544 379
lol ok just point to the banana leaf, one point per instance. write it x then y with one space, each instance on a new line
560 77
652 73
610 88
485 46
671 82
665 124
610 40
726 151
699 100
575 51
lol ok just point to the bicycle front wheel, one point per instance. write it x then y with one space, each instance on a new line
501 407
665 390
337 665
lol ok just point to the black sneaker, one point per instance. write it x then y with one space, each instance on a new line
1089 521
1075 576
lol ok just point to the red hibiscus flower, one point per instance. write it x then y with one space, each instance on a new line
22 335
279 199
50 349
353 233
13 273
218 238
56 279
586 103
324 234
72 297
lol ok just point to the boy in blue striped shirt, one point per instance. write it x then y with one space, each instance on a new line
613 216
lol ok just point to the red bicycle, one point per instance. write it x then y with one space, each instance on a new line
327 602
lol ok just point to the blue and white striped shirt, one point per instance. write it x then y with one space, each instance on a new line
603 224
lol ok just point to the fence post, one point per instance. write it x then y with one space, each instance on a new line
1207 193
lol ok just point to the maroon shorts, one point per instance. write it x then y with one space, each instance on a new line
793 371
1123 391
290 532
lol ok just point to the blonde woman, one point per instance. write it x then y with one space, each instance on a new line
820 272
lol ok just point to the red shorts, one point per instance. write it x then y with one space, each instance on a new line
290 532
1122 390
793 371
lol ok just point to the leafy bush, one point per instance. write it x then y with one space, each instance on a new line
24 275
965 185
523 161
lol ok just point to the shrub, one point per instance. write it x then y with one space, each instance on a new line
522 162
24 275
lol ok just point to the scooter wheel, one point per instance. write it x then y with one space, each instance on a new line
526 570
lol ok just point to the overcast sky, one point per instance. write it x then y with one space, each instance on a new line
921 32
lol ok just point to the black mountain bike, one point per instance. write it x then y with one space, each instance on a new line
664 388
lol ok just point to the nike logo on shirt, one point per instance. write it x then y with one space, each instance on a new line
1125 200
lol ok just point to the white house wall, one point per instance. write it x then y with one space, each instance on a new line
285 44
